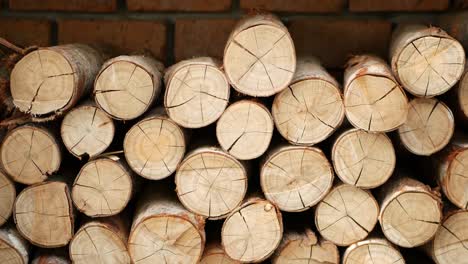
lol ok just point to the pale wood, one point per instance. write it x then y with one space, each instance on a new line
372 251
211 182
429 126
86 129
373 99
197 92
51 256
259 57
426 60
245 129
126 86
49 81
461 97
253 231
365 160
103 187
346 215
7 198
214 254
30 153
155 146
295 178
14 249
312 108
43 214
410 212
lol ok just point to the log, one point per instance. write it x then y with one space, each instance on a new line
346 215
103 187
410 212
197 92
245 129
126 86
312 108
51 256
214 254
7 198
155 146
14 249
365 160
429 127
373 250
373 99
211 182
426 60
460 98
253 231
87 130
304 247
43 214
295 178
30 153
51 80
259 57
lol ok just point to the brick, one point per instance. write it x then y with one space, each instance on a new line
64 5
334 40
397 5
179 5
123 36
26 32
201 37
311 6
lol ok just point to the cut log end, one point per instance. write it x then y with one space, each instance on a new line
29 154
454 181
462 93
13 248
365 160
429 127
245 129
370 251
7 198
346 215
296 178
214 254
449 244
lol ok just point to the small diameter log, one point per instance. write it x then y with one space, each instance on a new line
197 92
7 198
365 160
51 80
312 108
103 187
429 127
86 129
252 232
373 99
43 214
259 57
305 248
245 129
296 178
372 251
426 60
14 249
460 99
214 254
126 86
410 212
155 146
211 182
346 215
29 154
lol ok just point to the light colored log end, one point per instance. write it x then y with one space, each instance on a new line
214 254
14 249
462 93
454 181
372 251
7 198
449 245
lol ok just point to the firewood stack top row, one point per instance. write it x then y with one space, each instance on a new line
121 160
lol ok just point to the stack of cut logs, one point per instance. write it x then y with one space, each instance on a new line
121 160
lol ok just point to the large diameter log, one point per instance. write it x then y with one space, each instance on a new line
296 178
253 231
197 92
365 160
211 182
51 80
373 99
312 108
410 212
346 215
426 60
372 251
43 214
29 154
126 86
429 127
245 129
214 254
259 57
7 198
14 249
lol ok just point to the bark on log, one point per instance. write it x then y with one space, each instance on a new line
214 254
14 249
373 250
312 108
197 92
426 60
7 198
373 99
51 256
259 57
126 86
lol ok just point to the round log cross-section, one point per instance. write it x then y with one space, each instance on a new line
214 254
7 198
373 251
14 249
